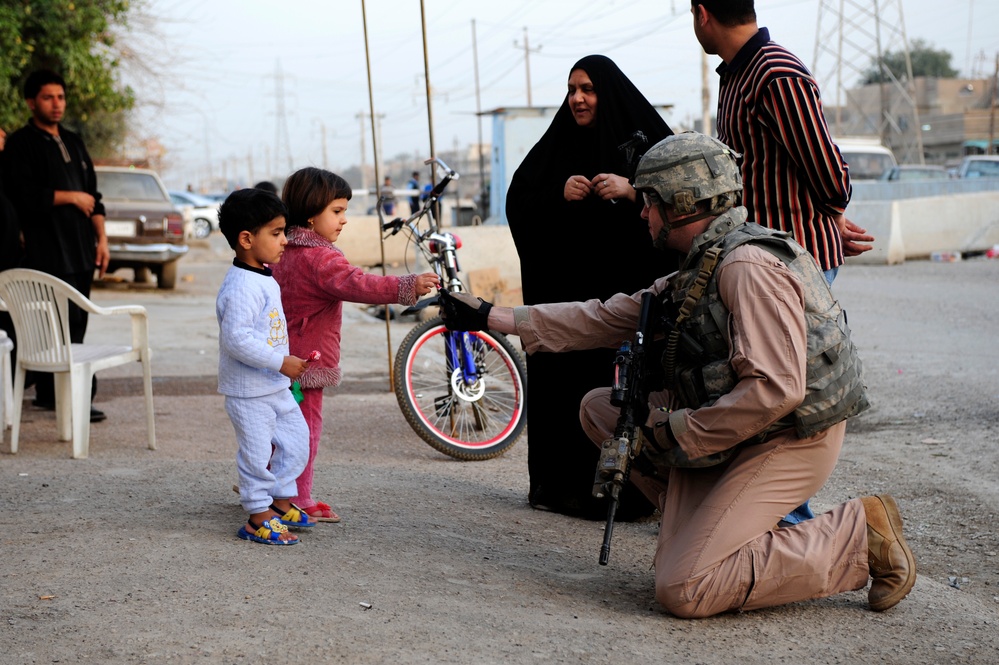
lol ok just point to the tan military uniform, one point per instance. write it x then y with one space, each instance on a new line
718 546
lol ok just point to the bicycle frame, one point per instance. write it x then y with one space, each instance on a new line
463 393
440 250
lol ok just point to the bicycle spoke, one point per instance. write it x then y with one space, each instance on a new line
456 417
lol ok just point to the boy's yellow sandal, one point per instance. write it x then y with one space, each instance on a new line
295 517
268 533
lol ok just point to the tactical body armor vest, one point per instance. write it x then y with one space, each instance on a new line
696 360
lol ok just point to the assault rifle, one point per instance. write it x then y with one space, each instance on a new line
628 392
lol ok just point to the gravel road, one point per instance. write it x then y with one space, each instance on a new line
130 556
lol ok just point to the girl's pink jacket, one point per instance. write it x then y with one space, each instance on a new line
315 279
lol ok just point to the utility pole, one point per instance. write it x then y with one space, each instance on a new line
705 97
364 169
376 137
281 124
375 145
322 130
430 106
208 151
527 64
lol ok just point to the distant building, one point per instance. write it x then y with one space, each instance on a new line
955 116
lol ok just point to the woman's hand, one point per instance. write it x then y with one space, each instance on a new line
577 188
612 187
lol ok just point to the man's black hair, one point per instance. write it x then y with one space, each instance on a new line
729 12
38 78
248 210
267 186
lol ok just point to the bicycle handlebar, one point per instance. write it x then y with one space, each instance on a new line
396 225
440 162
431 197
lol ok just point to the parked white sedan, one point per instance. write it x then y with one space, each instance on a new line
205 212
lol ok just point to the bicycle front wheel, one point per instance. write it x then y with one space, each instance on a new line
467 419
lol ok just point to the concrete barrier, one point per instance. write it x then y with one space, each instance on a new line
916 227
904 228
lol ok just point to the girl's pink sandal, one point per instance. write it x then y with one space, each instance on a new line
323 513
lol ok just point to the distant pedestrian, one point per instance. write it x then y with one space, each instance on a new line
387 197
414 185
316 278
255 369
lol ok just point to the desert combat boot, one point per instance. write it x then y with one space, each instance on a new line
893 567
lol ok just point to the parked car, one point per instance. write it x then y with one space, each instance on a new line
978 166
909 172
866 157
145 230
205 211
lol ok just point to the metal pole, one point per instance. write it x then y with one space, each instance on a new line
430 113
478 115
527 66
706 128
374 147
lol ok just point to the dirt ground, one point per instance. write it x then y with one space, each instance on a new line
130 556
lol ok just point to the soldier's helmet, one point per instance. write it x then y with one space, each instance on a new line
689 167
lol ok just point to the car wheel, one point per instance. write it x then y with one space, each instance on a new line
166 275
202 228
142 275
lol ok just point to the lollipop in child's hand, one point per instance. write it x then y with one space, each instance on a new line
296 387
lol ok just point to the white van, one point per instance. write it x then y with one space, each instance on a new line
867 158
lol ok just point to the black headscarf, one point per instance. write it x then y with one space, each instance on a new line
577 250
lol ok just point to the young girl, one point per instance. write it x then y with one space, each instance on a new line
315 280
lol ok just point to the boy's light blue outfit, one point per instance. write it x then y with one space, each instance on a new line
253 343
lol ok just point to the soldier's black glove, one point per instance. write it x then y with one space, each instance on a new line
461 311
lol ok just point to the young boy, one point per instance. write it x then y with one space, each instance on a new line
255 370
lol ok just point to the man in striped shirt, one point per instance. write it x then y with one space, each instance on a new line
794 178
769 110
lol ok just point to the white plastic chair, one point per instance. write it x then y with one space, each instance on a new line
6 386
39 303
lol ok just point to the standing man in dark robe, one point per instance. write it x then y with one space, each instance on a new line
50 180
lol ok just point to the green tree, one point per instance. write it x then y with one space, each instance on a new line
76 39
926 61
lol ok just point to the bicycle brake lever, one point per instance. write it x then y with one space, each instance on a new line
395 225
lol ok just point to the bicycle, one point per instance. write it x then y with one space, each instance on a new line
464 393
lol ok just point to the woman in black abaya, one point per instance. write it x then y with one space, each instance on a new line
575 220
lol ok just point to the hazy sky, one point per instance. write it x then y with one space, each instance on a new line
215 99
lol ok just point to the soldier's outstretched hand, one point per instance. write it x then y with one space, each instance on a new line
462 311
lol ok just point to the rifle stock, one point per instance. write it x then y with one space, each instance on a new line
617 452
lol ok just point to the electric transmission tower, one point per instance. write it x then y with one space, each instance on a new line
854 36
